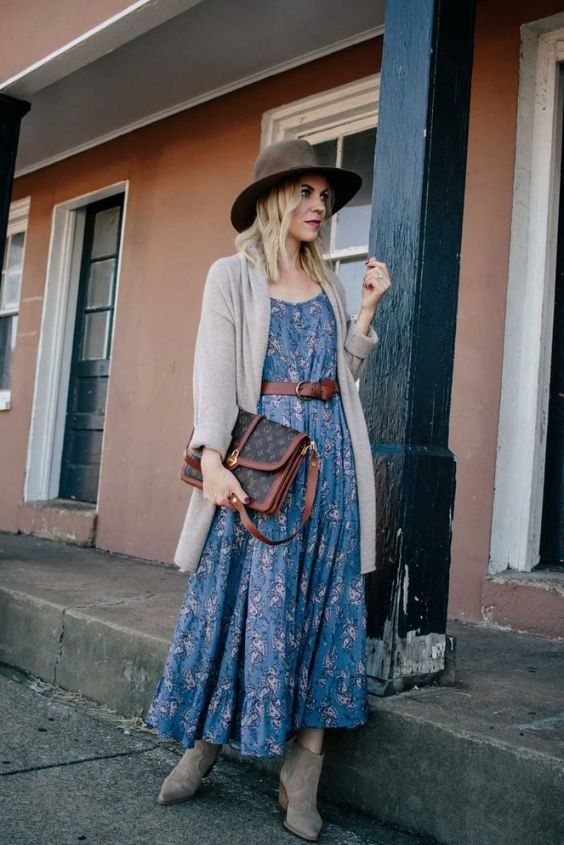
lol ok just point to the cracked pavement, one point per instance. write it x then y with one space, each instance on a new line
72 771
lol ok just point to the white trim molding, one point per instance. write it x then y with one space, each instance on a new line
45 447
521 447
320 116
19 215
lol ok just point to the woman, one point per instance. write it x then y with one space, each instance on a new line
270 640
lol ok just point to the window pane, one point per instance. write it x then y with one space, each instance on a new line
12 273
11 289
106 232
327 152
101 274
354 219
95 332
351 273
15 251
8 327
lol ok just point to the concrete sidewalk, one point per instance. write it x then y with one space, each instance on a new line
71 772
480 763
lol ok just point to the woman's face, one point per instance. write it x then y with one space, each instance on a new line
306 220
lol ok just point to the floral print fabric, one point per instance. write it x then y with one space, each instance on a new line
273 638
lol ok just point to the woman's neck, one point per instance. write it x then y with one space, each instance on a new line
294 283
291 263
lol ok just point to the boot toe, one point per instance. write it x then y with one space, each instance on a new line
196 763
175 791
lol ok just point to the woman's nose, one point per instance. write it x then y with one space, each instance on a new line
318 204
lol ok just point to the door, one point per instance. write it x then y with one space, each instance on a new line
91 351
552 530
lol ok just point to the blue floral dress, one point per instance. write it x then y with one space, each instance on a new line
273 638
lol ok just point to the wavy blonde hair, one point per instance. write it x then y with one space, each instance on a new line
267 234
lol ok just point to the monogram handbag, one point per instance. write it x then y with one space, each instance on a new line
265 456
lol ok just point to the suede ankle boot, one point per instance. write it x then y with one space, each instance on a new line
297 794
185 778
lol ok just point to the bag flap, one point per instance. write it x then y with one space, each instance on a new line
270 445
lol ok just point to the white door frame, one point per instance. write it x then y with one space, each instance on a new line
45 446
521 446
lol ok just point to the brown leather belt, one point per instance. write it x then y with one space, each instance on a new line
323 389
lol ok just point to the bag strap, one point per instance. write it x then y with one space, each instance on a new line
311 487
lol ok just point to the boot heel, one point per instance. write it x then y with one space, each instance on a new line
282 796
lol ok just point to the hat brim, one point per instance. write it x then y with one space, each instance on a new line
345 183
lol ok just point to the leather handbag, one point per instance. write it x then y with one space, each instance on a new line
264 456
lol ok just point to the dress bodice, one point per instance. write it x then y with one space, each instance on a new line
302 340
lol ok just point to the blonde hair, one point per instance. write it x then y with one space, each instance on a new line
267 234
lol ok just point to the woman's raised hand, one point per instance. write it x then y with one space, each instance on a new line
376 283
219 482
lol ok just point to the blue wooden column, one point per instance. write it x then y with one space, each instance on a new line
11 113
416 226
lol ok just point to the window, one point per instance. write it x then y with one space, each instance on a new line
341 125
10 289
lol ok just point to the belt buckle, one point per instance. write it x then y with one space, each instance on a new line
298 394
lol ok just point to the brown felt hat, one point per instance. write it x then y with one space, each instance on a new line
288 158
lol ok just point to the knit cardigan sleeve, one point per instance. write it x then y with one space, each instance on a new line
357 344
214 376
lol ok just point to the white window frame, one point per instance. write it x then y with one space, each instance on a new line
321 117
17 223
521 446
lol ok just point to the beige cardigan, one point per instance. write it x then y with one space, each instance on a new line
229 357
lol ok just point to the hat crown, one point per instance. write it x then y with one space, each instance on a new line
285 155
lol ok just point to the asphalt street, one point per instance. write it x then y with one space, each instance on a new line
74 772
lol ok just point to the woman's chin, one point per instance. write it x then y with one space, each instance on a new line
306 236
310 235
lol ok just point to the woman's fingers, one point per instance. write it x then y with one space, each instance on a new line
223 498
376 274
376 281
220 484
372 262
240 493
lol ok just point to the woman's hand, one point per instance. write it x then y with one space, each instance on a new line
376 283
219 482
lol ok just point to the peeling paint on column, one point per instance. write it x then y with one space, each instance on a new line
405 588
